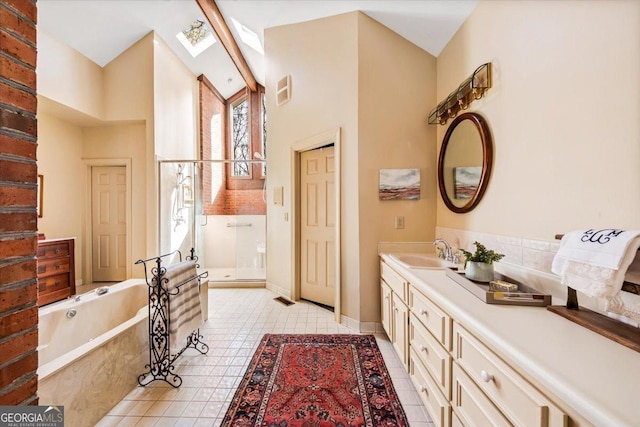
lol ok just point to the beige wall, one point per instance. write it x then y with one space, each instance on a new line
175 105
321 58
69 77
563 113
396 89
350 72
129 96
59 161
123 141
122 98
175 108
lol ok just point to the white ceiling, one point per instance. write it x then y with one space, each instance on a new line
102 29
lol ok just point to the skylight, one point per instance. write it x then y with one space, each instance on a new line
249 38
196 37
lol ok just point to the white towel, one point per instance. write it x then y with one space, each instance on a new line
595 261
625 307
185 314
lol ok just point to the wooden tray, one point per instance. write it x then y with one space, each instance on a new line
525 295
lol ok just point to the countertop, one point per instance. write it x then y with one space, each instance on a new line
597 377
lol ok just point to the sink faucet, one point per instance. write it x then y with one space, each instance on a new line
447 249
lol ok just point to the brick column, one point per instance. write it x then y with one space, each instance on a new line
18 216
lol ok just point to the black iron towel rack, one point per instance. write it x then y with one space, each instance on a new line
161 361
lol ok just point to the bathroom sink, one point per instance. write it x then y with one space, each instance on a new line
423 261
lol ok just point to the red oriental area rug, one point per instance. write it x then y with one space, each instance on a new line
316 381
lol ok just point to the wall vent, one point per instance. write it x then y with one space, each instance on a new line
283 90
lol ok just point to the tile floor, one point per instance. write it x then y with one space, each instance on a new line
238 318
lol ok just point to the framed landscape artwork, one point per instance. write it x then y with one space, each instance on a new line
399 184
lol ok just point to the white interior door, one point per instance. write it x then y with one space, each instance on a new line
109 223
317 226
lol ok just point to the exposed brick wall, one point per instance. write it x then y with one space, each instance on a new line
226 201
18 216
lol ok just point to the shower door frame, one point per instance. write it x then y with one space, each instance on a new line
197 164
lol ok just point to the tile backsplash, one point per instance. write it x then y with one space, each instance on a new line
525 260
532 254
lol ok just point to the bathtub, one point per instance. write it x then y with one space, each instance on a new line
89 362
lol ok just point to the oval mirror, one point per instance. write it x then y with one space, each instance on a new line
465 161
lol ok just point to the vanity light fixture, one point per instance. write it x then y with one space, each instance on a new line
469 90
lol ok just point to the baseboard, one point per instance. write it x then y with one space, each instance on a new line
235 284
363 327
280 291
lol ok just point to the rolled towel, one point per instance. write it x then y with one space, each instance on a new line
595 261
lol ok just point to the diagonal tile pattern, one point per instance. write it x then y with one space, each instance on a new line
238 318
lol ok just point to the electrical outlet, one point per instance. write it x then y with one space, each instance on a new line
399 222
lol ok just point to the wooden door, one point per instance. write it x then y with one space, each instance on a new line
109 224
317 226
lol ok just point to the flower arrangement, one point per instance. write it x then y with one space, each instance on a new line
481 254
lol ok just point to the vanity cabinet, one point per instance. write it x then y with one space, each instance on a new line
56 270
395 311
459 379
513 395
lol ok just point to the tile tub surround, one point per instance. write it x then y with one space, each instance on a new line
238 318
526 260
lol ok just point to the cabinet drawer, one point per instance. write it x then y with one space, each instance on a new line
520 401
471 405
437 405
430 352
49 297
53 283
51 250
53 266
436 320
395 281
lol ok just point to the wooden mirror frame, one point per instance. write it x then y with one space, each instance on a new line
487 159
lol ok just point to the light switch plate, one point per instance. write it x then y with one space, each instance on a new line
399 222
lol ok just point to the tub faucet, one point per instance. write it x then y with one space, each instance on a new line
447 249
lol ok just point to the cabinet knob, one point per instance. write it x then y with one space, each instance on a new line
486 376
57 266
423 348
386 297
424 389
423 312
57 251
395 309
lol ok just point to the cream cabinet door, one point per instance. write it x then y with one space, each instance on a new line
400 319
385 308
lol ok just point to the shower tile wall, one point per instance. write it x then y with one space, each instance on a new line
234 246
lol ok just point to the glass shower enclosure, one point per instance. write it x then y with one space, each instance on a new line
227 227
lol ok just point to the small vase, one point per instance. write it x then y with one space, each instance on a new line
479 271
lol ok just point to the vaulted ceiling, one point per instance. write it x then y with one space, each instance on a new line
102 29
